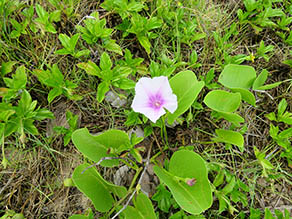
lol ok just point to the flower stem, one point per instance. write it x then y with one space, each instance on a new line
163 131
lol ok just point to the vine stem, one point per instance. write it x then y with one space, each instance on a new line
139 182
102 159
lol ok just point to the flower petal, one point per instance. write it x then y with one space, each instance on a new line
139 101
151 114
146 89
170 103
152 86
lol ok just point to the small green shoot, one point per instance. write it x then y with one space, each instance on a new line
54 78
69 44
67 132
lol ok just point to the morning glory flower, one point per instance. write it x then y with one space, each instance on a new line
153 96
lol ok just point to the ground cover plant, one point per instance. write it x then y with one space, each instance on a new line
145 109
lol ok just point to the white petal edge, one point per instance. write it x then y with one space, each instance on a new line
171 103
150 113
152 85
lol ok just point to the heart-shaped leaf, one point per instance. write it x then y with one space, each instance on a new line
237 76
143 209
230 137
232 117
96 188
246 95
185 164
96 147
222 101
186 87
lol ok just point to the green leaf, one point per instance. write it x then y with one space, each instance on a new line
246 95
42 114
41 12
268 214
57 75
229 187
29 127
144 41
63 51
90 147
232 117
230 137
269 86
187 88
237 76
114 139
215 98
103 87
96 188
7 67
219 179
125 83
90 68
287 133
84 52
163 197
271 116
187 164
73 41
135 6
153 23
18 80
54 93
65 40
260 80
136 154
97 147
5 112
25 104
258 84
143 208
105 62
50 28
55 16
112 46
282 107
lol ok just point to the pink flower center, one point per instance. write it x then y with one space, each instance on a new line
155 101
157 104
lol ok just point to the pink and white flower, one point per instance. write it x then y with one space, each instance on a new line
153 96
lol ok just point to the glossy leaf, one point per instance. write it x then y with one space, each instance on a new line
232 117
187 164
230 137
237 76
98 190
187 88
246 95
91 68
222 101
260 80
144 41
96 147
105 62
143 209
7 67
103 87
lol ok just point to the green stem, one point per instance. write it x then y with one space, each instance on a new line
163 132
4 160
118 203
133 165
129 192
